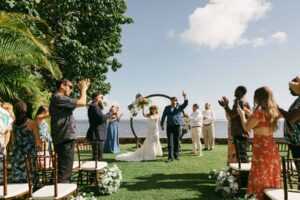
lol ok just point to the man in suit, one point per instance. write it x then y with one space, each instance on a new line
97 119
174 123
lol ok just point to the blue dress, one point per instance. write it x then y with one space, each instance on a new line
24 144
112 141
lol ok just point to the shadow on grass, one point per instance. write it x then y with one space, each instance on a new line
190 182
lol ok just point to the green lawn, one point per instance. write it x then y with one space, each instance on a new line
184 179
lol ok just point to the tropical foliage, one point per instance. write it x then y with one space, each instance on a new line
87 34
24 57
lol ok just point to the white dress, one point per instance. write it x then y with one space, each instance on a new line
151 147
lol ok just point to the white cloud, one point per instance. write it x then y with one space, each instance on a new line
279 37
223 23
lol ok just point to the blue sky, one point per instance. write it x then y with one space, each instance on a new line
206 48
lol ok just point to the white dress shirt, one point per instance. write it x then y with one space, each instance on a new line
196 119
210 117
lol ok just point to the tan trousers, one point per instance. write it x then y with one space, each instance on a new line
209 136
196 135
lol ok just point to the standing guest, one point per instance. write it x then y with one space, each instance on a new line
98 127
112 140
7 117
196 122
63 124
265 167
292 125
26 138
40 118
208 128
173 113
240 136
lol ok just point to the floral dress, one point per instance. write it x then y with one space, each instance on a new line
265 171
24 144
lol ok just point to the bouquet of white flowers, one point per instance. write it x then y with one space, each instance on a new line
110 180
83 196
226 183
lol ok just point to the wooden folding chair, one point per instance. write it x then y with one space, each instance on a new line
291 181
43 179
89 168
242 169
9 190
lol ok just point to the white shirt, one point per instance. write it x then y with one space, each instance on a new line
196 118
210 117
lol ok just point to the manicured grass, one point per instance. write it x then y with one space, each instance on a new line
184 179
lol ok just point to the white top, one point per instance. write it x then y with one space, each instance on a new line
210 117
196 118
5 121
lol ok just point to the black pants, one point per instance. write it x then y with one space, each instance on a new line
99 148
241 143
296 154
65 157
173 133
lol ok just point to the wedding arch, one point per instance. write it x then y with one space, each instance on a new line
138 141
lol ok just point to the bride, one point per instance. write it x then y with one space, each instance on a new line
151 147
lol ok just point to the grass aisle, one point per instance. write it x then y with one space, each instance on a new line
184 179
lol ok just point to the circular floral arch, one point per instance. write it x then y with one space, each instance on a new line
138 141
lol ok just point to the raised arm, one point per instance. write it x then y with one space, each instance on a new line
144 114
247 124
291 116
83 86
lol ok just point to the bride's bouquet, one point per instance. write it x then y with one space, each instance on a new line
138 104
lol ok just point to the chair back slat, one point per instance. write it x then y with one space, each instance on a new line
4 175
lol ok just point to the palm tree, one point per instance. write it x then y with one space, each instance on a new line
24 58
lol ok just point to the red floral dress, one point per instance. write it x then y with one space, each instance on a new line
266 170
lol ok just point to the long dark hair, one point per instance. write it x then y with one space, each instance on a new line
22 111
40 110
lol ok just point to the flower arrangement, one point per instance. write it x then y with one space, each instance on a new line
225 182
138 104
110 180
83 196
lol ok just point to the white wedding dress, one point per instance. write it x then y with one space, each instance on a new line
151 147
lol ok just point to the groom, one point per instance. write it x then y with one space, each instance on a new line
174 122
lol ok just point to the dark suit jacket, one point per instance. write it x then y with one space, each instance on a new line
97 120
173 118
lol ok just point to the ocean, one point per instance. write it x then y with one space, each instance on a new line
140 127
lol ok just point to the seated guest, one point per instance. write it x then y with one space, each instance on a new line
26 139
265 169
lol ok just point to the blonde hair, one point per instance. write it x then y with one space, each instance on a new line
264 99
9 107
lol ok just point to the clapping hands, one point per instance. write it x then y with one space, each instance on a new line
84 84
224 101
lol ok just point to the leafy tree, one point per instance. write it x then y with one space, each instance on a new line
22 56
87 34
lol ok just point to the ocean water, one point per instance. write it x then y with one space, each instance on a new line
140 127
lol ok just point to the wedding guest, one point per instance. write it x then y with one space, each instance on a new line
63 124
208 128
196 122
231 154
265 167
40 118
26 140
112 140
295 85
240 136
6 112
98 128
292 125
174 123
